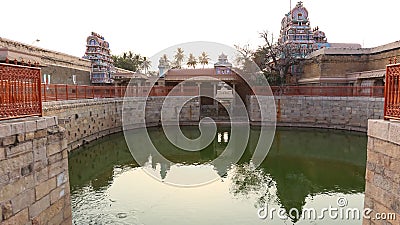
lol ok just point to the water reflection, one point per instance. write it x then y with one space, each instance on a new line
302 165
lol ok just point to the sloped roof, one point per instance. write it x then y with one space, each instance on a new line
12 55
198 74
191 72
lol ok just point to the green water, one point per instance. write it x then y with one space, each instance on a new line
305 168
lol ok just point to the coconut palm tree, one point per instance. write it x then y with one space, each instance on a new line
203 59
146 64
192 61
179 56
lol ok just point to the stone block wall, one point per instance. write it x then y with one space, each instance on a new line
86 120
89 119
34 183
336 62
347 113
382 189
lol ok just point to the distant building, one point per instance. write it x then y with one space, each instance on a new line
349 66
123 77
57 67
332 63
222 71
163 66
296 29
98 52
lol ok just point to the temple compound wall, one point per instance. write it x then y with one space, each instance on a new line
339 66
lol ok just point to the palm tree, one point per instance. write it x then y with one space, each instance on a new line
146 64
192 61
203 59
179 56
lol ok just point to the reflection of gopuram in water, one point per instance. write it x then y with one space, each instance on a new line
314 163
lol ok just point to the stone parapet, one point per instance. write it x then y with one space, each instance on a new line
34 183
382 188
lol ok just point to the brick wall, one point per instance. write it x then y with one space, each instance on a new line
34 183
382 189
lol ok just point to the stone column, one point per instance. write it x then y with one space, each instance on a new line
234 97
199 87
214 95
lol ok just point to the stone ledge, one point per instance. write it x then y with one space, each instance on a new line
386 130
26 125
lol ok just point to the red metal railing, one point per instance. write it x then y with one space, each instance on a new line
332 91
19 91
392 92
57 92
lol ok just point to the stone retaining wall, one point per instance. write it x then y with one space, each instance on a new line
34 183
89 119
347 113
382 188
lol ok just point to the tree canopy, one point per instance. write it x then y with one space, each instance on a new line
203 59
276 60
178 58
131 61
192 61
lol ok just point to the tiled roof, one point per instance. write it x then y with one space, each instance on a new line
198 74
191 72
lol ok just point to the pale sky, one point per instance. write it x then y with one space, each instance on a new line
149 26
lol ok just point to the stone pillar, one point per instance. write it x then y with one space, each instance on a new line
34 184
382 188
214 94
199 87
234 97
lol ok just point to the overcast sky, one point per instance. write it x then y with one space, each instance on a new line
148 26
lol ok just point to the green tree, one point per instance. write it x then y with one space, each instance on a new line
129 61
277 59
203 59
179 56
192 61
